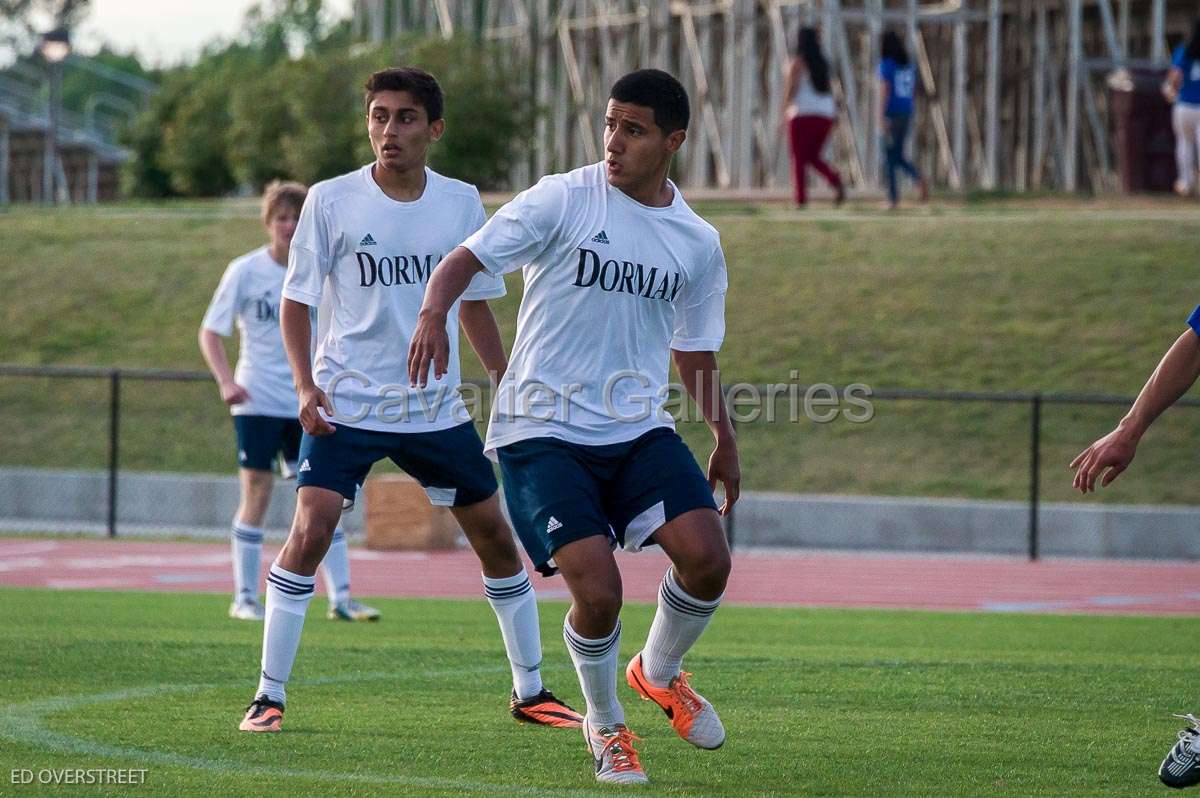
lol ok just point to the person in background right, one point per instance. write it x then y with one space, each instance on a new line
1183 89
809 115
897 84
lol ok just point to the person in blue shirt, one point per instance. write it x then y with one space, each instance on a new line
1110 455
1183 89
897 84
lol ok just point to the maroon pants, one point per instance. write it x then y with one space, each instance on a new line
807 135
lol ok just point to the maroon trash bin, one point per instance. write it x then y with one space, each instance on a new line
1145 141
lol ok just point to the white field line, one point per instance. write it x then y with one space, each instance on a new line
23 724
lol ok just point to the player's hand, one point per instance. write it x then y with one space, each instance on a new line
430 344
312 401
233 394
724 467
1108 456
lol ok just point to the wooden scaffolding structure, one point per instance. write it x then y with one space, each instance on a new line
1015 93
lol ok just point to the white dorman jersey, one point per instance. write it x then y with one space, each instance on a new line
611 286
374 256
248 296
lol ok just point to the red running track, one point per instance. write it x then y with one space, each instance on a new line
812 579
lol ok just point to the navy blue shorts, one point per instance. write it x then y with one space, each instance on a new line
449 463
261 438
558 492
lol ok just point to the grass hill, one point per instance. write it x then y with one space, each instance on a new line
1031 296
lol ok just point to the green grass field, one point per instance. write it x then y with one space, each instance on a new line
1046 295
817 702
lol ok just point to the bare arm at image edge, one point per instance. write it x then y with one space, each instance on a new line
1112 454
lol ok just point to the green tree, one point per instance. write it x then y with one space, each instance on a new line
488 112
143 175
260 118
328 125
195 138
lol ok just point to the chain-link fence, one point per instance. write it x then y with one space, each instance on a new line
148 451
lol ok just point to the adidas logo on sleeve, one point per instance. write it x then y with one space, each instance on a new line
553 525
305 466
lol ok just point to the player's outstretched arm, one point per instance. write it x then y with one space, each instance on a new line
296 328
1112 454
702 379
430 344
479 323
213 349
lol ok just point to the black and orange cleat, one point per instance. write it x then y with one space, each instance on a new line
544 709
263 715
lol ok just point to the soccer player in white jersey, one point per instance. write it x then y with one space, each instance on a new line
262 400
620 276
367 242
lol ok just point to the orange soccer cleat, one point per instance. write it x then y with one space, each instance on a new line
692 717
544 709
263 715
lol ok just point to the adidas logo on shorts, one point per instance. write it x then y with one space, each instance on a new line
553 525
600 238
367 241
305 466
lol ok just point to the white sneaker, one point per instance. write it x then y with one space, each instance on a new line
287 469
247 610
614 755
1181 768
351 610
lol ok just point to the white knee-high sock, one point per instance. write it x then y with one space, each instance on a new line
515 604
678 624
336 568
247 561
288 595
596 664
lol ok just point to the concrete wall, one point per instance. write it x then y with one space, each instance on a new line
203 505
165 504
991 527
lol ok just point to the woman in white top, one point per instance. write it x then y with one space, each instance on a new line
810 114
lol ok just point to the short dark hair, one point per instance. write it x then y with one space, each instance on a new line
420 84
892 47
658 91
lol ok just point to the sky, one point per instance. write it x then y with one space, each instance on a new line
166 32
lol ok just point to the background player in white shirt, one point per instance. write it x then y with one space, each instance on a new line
365 246
620 275
262 400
